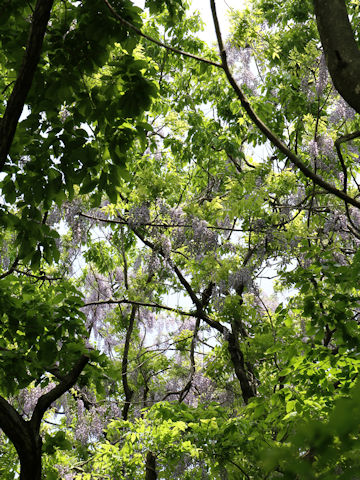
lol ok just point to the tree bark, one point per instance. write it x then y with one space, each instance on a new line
150 467
30 457
127 390
25 77
340 48
237 360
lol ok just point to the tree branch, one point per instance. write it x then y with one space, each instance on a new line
112 301
127 390
47 399
269 134
157 42
25 77
12 424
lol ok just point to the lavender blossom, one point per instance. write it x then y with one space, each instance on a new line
28 397
322 76
326 146
139 215
240 60
165 246
204 236
342 112
241 278
313 148
154 264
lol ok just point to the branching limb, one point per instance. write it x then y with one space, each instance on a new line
187 387
65 384
112 301
12 424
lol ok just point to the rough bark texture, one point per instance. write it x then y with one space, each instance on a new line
30 458
340 48
25 77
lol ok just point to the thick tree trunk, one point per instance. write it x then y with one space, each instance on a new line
30 457
150 467
340 48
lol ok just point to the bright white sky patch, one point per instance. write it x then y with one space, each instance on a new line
203 6
222 9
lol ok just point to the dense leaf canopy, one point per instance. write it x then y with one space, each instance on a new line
180 266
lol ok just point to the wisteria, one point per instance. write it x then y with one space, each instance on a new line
322 77
139 215
28 397
341 111
204 236
240 60
240 278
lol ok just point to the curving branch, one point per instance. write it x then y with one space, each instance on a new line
186 389
341 50
269 134
23 83
12 424
157 42
25 435
65 384
113 301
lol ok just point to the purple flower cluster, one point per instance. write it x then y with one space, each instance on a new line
342 112
240 278
28 397
139 215
91 423
335 223
240 60
322 79
204 237
322 145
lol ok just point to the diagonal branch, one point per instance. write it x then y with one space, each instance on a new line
66 383
113 301
269 134
186 388
157 42
25 77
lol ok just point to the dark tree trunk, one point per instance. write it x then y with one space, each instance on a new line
237 359
25 77
340 48
30 457
150 467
